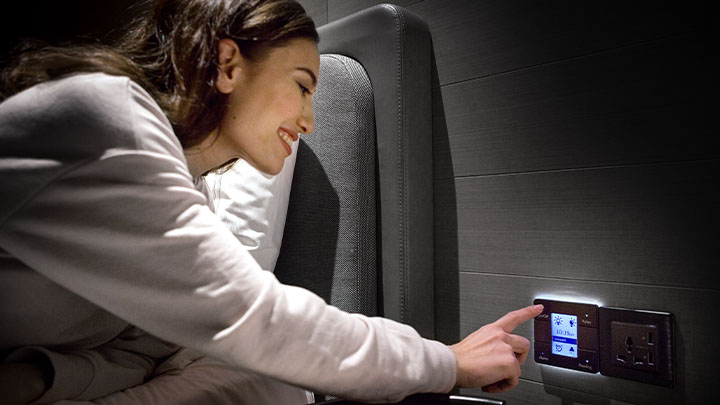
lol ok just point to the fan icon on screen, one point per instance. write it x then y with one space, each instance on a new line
558 348
558 320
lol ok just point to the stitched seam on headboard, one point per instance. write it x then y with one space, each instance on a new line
401 167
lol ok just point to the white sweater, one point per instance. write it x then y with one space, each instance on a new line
101 228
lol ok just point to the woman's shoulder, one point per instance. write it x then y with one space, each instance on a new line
69 96
89 84
89 112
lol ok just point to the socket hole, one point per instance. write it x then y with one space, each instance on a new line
638 360
628 341
651 359
651 338
621 358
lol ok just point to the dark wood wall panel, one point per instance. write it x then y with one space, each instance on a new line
341 8
475 38
317 10
650 224
644 103
484 297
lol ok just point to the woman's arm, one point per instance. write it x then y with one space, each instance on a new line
122 226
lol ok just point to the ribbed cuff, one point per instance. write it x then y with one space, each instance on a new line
72 374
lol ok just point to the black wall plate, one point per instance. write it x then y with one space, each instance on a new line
636 345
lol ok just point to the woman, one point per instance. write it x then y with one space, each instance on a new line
109 251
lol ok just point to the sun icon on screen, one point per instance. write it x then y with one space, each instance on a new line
558 320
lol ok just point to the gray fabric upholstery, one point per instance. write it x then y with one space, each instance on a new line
318 250
329 243
394 47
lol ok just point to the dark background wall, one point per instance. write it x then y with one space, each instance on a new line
59 21
575 155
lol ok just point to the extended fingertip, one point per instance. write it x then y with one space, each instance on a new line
538 307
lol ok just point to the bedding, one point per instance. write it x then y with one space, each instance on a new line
254 205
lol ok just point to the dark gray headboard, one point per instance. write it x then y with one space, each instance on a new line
393 45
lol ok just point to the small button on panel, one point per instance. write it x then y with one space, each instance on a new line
588 361
542 352
566 335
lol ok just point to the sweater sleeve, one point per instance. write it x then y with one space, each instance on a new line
126 230
84 373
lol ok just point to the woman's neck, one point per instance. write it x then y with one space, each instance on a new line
205 156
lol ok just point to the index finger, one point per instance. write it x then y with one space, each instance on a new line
511 320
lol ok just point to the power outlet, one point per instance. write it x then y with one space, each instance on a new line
636 345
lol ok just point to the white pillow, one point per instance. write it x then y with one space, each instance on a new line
254 206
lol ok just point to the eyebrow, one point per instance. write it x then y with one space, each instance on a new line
309 72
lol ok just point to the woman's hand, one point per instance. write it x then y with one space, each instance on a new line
21 383
491 356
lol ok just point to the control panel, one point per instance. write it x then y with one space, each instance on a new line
566 335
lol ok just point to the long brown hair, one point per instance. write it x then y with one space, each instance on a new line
171 51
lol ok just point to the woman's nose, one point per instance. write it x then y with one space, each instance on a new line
306 122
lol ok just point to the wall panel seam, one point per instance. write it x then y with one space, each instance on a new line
689 289
570 59
583 169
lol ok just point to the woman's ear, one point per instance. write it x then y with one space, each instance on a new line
229 66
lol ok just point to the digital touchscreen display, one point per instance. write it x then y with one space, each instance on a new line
564 334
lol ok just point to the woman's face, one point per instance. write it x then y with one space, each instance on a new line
270 102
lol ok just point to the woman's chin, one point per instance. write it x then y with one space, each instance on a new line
269 169
273 172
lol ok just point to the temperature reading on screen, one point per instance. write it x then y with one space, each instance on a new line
564 334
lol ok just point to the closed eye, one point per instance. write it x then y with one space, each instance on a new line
304 90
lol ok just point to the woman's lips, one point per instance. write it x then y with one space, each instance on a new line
287 138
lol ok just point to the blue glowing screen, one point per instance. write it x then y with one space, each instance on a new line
564 334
